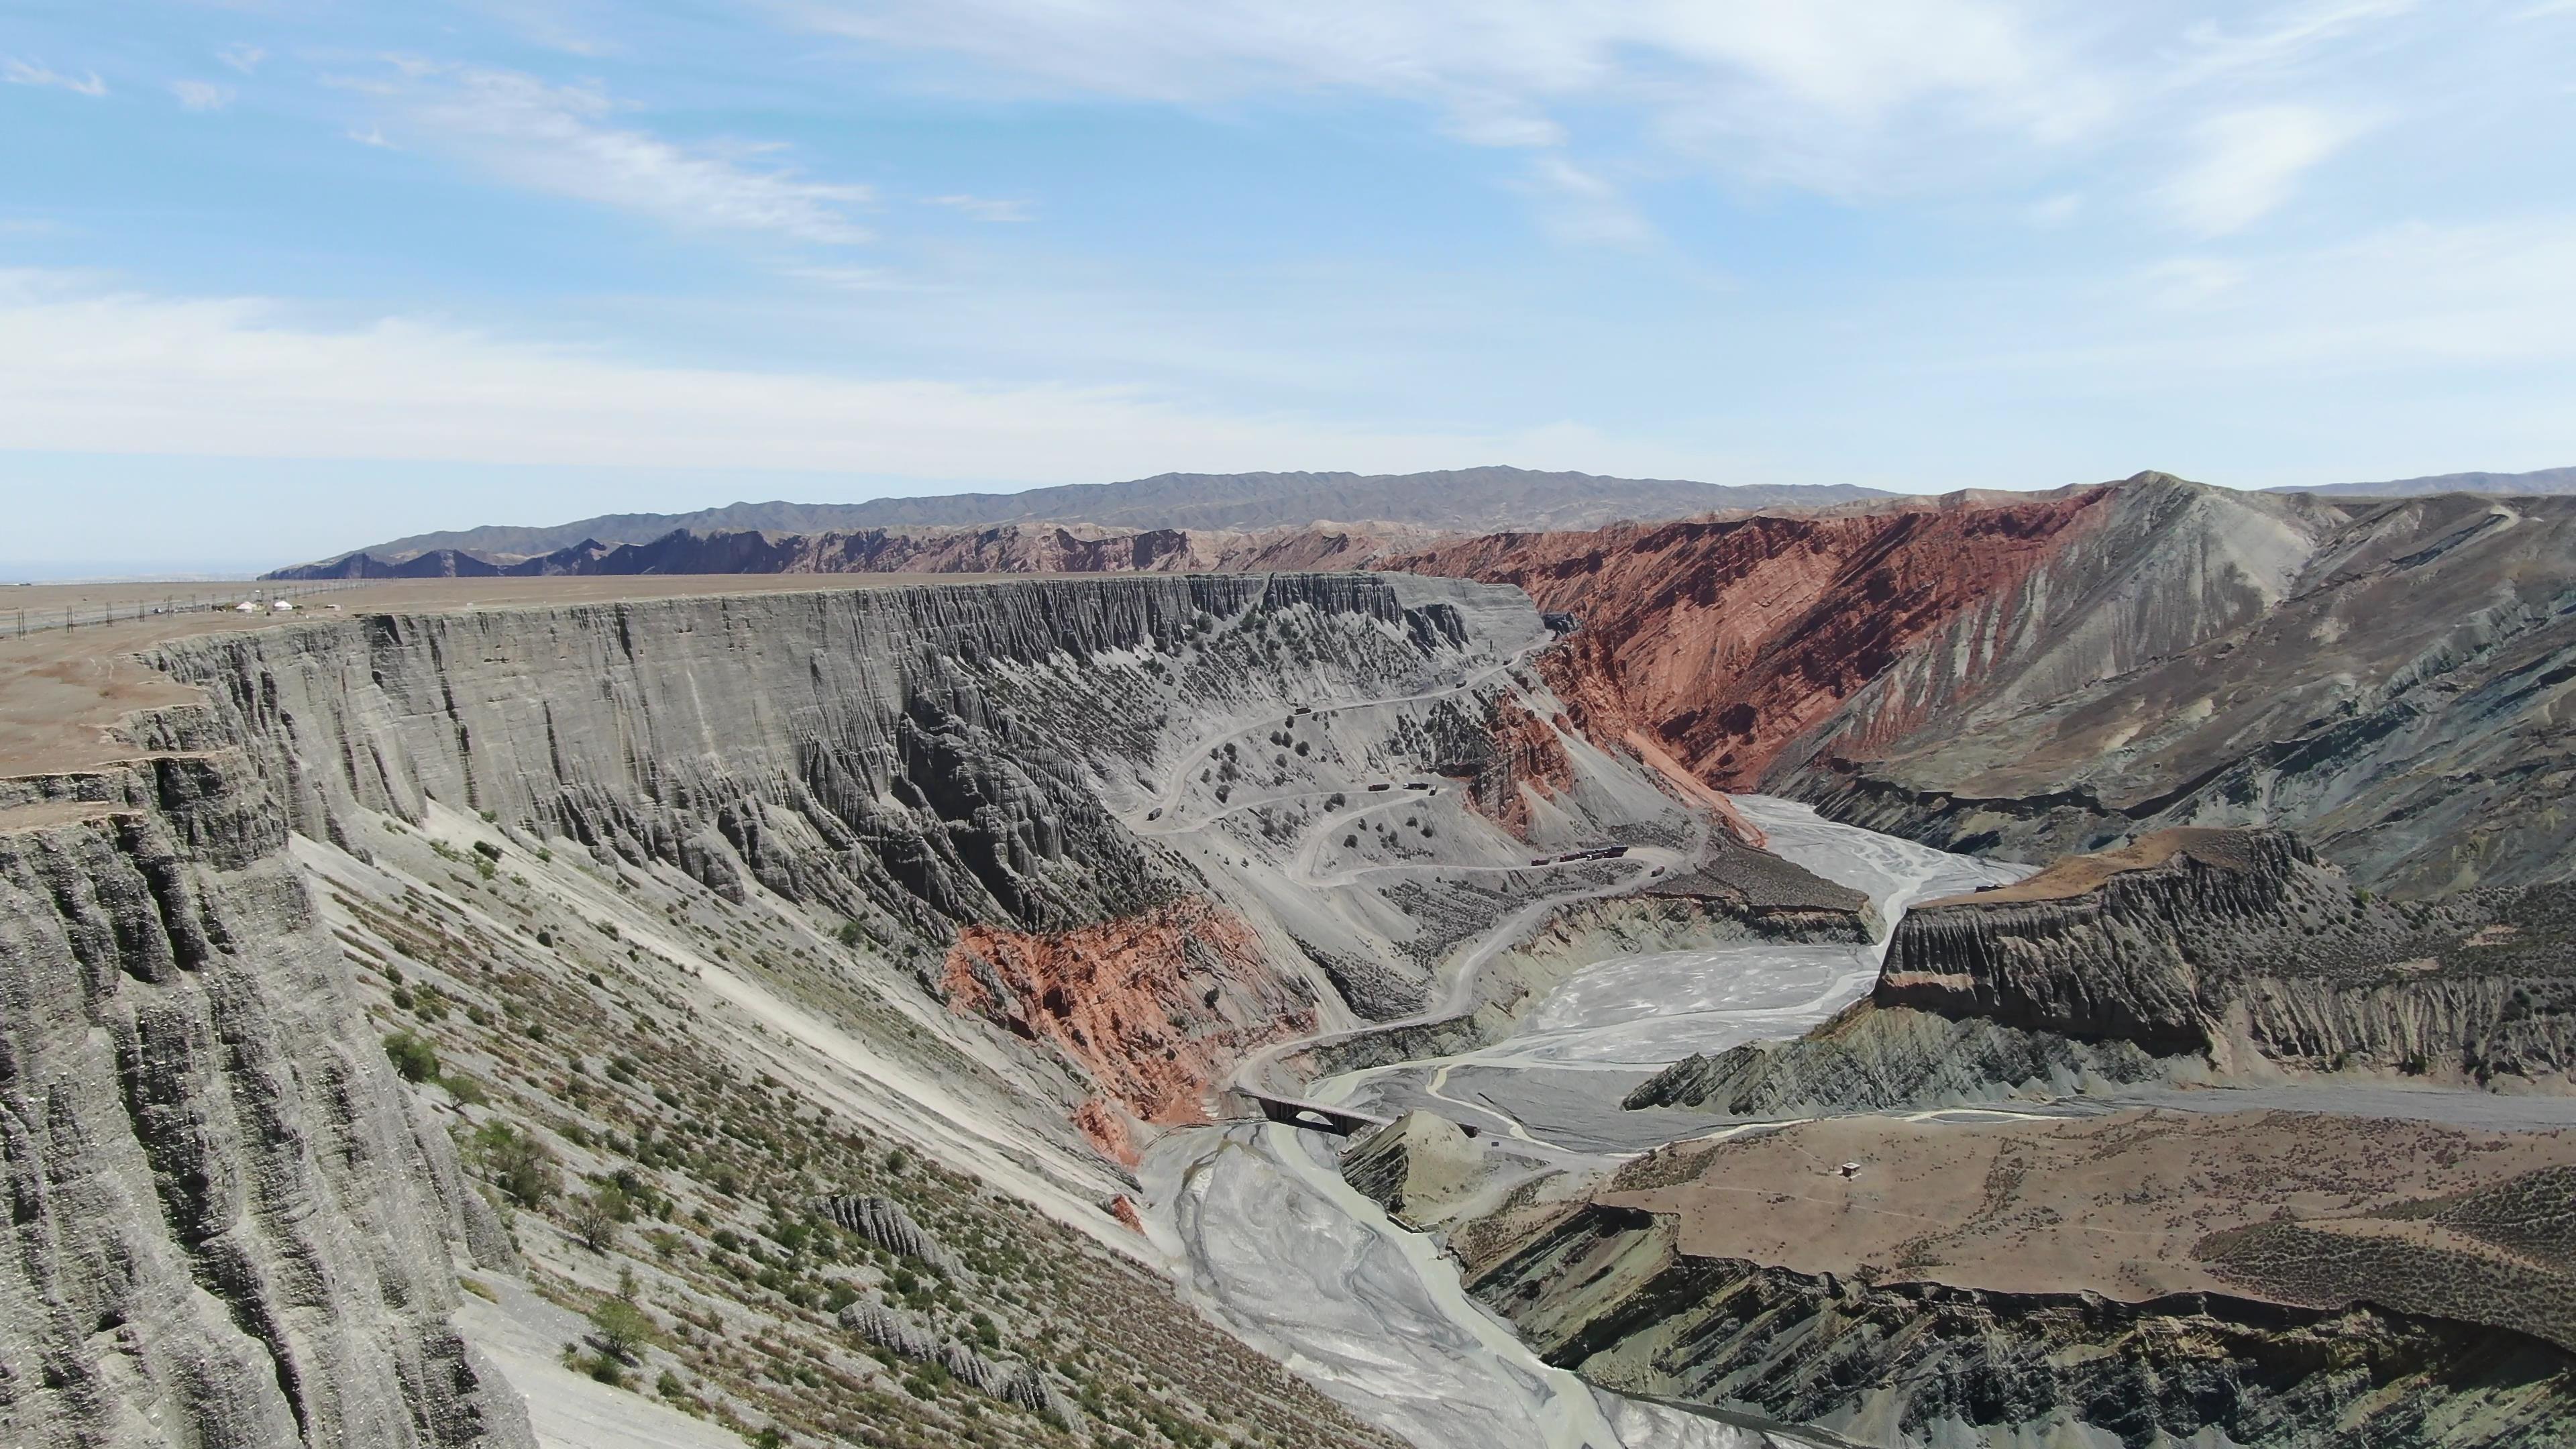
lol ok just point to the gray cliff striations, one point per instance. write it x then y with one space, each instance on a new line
2190 951
229 1225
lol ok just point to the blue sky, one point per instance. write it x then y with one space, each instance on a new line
283 276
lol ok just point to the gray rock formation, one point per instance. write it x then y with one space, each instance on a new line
901 1334
1605 1293
908 757
1416 1167
891 1329
229 1224
883 1221
1872 1058
1031 1390
2191 951
2379 676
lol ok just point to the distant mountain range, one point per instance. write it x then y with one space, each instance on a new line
2545 481
1477 500
1172 521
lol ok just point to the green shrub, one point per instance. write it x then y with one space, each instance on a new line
520 1165
623 1330
596 1220
415 1058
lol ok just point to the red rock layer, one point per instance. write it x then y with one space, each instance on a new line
1528 756
1721 640
1154 1007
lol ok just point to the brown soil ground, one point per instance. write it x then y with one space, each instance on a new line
63 692
2073 875
2113 1205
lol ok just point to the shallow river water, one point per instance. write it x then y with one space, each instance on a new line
1278 1247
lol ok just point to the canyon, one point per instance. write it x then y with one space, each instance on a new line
596 1004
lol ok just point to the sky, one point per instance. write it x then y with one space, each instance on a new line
279 278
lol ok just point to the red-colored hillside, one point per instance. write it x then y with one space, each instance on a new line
1723 640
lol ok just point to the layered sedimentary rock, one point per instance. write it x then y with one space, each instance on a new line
2393 702
2054 673
2186 952
2274 1278
883 1221
1417 1167
1001 549
943 769
1723 640
229 1225
1154 1005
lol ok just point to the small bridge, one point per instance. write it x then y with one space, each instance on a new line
1321 1117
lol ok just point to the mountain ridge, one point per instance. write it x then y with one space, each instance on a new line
1478 499
2540 482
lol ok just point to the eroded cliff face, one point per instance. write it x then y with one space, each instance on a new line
2388 688
1156 1006
2186 953
1607 1294
1724 640
1019 792
2275 1278
2049 674
229 1226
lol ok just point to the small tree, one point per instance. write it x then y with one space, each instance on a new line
622 1330
412 1056
521 1166
595 1221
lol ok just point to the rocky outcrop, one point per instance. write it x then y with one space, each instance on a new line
2387 688
229 1226
1156 1006
2185 953
2278 1279
1512 763
1916 1363
1871 1058
2047 674
908 757
1723 640
2241 946
928 764
905 1336
884 1222
1417 1167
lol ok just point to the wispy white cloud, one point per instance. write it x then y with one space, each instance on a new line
984 208
197 95
32 73
565 140
850 279
2403 301
242 56
1579 206
90 370
1856 99
2282 38
1846 96
2246 163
